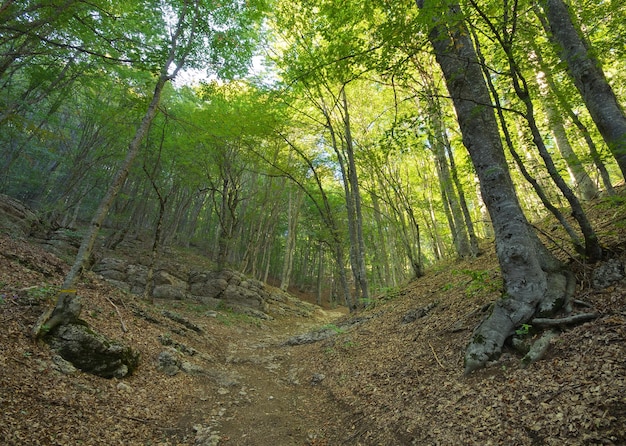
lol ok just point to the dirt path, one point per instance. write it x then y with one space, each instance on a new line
264 395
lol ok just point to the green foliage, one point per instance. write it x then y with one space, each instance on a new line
42 293
523 330
230 317
334 328
612 201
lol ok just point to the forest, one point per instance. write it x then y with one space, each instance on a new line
337 149
440 180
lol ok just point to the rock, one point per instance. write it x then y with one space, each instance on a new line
110 264
242 296
168 292
123 387
168 362
241 309
115 275
205 436
91 352
63 366
211 288
608 273
63 242
311 337
162 277
16 218
181 320
418 313
191 368
137 276
317 378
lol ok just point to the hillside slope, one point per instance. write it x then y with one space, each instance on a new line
390 375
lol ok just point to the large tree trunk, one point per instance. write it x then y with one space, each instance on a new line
534 281
68 306
589 79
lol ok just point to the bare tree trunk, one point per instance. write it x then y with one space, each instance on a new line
582 183
584 131
534 280
320 273
290 241
522 167
593 251
589 79
361 276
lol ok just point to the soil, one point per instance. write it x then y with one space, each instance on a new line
393 378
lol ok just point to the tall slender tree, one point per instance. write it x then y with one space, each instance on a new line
589 78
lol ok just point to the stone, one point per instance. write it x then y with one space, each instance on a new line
243 296
205 436
608 273
110 263
15 217
112 274
168 292
168 362
63 366
162 277
92 352
317 378
212 288
191 369
123 387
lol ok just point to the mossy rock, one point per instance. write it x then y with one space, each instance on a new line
92 352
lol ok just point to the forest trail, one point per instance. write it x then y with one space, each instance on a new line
236 382
272 400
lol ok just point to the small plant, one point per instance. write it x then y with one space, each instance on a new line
447 287
367 303
329 351
41 293
229 317
523 330
334 328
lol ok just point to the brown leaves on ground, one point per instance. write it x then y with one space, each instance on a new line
384 382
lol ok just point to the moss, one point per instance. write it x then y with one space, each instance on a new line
478 339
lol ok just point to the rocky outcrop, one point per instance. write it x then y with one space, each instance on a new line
16 218
91 352
226 288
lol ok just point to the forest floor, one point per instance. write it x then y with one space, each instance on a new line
390 375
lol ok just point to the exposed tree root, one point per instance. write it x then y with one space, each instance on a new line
539 348
570 320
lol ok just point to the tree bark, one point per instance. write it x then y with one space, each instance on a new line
290 240
589 79
565 106
361 273
534 281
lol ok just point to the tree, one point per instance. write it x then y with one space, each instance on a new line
505 38
589 79
184 39
534 281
